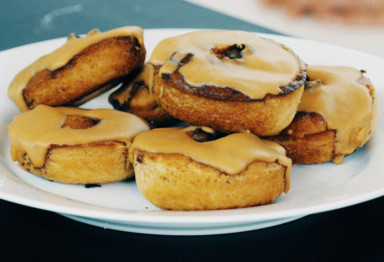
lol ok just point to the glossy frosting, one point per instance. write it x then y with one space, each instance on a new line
230 154
61 57
265 65
339 94
145 76
34 131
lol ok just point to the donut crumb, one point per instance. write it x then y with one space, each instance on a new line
231 52
201 135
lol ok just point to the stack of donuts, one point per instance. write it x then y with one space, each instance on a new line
213 120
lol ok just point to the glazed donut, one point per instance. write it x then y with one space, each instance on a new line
73 145
337 115
232 81
81 69
135 97
188 168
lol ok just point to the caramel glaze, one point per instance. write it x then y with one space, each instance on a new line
61 56
121 97
346 100
241 63
230 154
36 131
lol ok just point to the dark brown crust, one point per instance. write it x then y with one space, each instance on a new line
96 68
142 103
224 108
307 139
133 90
265 117
176 80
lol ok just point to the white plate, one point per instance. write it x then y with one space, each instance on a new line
315 188
180 230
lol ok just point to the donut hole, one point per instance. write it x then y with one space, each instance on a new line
204 134
80 122
231 52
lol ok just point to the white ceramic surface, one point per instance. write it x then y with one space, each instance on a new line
314 188
190 231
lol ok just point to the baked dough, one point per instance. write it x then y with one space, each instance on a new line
232 81
84 67
135 97
336 116
191 169
73 145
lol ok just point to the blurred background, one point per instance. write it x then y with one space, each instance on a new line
356 24
23 22
341 22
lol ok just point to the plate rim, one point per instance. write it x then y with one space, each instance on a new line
180 217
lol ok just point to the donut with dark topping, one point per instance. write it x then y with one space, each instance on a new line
232 81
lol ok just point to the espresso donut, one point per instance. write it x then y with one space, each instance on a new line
231 81
189 168
337 115
81 69
73 145
135 97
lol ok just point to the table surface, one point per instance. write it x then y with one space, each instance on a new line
353 233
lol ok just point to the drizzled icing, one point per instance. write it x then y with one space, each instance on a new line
339 94
263 67
34 131
230 154
61 57
145 76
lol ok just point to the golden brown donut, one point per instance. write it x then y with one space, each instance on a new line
336 116
231 81
135 97
73 145
81 69
191 169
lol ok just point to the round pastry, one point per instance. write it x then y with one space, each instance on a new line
135 97
190 169
337 115
81 69
231 81
73 145
342 11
